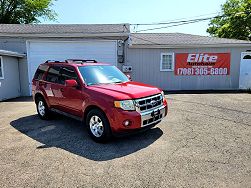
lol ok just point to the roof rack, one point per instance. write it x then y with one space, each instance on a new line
52 61
80 61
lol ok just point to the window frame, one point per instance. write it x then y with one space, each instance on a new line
2 69
161 59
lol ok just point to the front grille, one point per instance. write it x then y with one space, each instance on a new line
149 103
152 120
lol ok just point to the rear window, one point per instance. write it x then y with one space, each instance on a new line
40 72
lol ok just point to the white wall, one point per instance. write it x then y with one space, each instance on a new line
10 85
146 68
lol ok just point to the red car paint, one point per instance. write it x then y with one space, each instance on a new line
77 101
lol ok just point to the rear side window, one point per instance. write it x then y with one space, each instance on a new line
53 74
67 73
40 72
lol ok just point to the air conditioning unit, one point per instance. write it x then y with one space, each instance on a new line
127 68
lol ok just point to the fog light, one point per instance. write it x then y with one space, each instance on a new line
127 123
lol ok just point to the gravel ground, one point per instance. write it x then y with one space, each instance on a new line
205 141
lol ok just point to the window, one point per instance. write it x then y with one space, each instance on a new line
67 73
53 74
167 62
247 57
40 72
102 74
1 68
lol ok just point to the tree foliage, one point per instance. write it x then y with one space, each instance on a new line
234 20
25 11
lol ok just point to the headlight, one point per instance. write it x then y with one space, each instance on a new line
125 105
163 96
162 93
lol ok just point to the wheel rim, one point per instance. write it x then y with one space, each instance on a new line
96 126
41 108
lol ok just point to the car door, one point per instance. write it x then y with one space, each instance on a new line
71 97
51 86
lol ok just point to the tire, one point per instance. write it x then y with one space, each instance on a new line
98 126
42 109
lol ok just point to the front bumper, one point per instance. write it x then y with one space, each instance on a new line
138 120
152 116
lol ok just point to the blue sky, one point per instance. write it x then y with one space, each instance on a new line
137 11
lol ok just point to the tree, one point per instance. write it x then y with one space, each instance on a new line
234 20
25 11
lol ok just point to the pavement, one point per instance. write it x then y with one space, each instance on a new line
205 141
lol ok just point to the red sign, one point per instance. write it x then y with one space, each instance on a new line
197 64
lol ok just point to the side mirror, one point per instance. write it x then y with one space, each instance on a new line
71 83
129 77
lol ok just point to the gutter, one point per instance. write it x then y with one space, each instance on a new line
12 54
148 46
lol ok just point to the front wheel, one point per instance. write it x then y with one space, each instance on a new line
42 109
98 126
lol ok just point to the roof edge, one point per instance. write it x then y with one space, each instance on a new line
64 35
219 45
11 53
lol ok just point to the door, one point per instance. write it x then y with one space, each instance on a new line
245 71
40 51
51 86
71 98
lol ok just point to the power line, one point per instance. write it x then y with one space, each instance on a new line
174 20
177 23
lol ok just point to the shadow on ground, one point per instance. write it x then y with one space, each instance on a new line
19 99
70 135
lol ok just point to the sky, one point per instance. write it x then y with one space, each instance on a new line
138 12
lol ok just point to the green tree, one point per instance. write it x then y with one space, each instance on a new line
234 20
25 11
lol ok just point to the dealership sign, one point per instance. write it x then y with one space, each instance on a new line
193 64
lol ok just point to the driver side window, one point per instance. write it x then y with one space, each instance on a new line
67 73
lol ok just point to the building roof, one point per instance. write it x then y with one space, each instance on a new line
173 40
64 30
11 53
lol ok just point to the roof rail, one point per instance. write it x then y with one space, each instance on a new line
80 61
52 61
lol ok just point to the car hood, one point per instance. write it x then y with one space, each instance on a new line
127 90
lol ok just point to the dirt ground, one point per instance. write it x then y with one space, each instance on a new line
205 141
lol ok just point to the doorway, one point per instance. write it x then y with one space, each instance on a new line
245 71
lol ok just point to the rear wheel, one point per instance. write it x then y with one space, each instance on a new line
42 108
98 126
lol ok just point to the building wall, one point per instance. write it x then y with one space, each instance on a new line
13 44
10 85
146 68
19 45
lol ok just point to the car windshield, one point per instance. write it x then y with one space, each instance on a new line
102 74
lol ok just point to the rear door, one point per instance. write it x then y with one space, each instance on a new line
52 87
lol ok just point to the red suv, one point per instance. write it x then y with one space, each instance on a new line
98 94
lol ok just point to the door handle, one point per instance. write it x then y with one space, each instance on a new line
62 89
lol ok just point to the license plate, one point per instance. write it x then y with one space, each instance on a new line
155 113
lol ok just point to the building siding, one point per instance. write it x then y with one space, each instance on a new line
10 85
146 68
19 45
